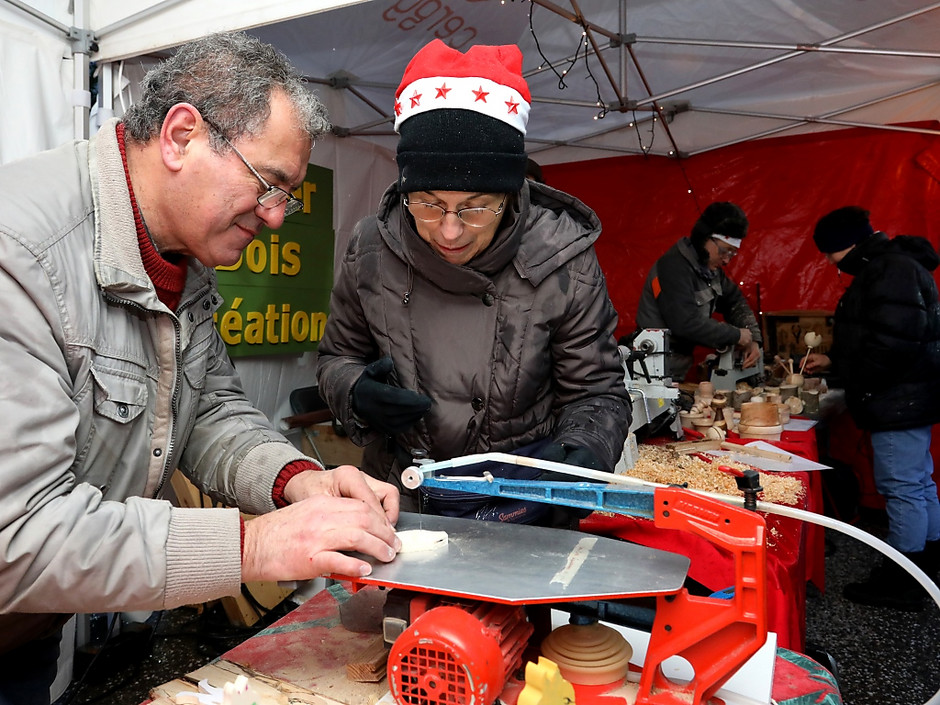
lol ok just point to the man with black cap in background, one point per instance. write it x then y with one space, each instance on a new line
687 286
886 355
470 314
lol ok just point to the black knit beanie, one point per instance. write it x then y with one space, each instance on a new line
842 228
462 120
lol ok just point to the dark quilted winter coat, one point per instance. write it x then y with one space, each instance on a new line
515 347
886 335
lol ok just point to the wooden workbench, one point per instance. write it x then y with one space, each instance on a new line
302 658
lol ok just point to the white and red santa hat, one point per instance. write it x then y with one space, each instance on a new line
462 120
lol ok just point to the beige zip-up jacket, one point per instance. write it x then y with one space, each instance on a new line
104 392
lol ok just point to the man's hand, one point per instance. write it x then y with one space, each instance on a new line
817 362
345 481
307 539
751 355
745 337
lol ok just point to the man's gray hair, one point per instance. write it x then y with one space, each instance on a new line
229 78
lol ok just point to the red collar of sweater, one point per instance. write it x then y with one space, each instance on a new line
168 277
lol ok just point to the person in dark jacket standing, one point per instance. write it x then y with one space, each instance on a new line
687 286
886 354
470 314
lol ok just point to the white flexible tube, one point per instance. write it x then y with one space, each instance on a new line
416 474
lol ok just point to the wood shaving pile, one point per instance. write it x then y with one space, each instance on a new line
669 467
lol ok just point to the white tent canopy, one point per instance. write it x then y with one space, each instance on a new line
608 77
680 76
670 76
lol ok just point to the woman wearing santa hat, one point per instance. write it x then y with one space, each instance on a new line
470 313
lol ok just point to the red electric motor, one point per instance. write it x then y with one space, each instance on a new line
458 655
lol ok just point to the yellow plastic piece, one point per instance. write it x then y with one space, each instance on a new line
544 685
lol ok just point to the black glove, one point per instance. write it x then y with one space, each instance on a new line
569 455
562 517
388 409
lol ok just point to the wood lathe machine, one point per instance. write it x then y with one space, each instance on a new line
469 622
653 395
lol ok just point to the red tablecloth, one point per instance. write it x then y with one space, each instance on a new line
795 550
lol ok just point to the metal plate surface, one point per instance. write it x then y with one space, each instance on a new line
521 564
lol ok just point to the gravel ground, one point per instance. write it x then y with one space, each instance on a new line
883 656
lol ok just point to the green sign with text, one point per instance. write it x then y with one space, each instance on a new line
277 295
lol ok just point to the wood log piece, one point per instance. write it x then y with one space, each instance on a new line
810 399
755 413
766 433
370 665
739 397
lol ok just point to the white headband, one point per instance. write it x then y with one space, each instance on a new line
733 241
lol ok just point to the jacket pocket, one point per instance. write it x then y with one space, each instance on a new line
195 370
119 396
705 297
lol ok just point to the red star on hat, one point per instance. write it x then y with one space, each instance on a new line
454 80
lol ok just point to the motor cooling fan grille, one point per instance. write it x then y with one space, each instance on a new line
430 676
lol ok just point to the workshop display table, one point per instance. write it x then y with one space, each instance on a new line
303 657
795 549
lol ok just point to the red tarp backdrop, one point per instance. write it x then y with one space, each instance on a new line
783 184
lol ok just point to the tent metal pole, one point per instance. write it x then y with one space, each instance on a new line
578 143
791 54
143 14
81 67
42 17
729 44
800 122
657 105
589 34
576 18
105 92
621 54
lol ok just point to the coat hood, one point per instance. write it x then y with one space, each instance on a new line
879 244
